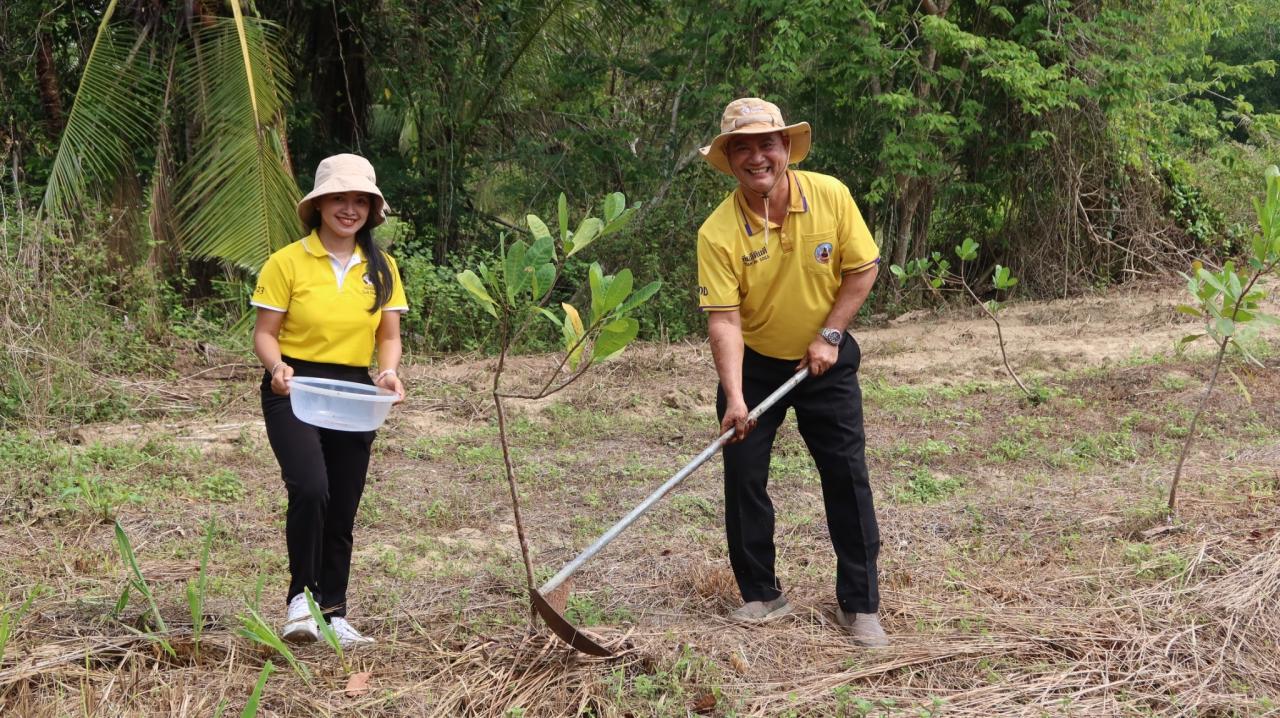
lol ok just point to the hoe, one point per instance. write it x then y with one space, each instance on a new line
540 597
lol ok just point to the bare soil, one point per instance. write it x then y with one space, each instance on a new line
1028 567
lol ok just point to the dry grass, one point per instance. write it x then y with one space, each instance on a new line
1027 583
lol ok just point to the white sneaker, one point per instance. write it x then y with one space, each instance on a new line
348 636
299 626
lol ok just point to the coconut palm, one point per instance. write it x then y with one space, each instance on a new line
183 108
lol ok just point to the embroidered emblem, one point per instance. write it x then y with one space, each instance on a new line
759 255
823 253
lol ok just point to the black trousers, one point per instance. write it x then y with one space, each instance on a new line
829 415
324 471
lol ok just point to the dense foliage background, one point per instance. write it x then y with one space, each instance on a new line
1081 143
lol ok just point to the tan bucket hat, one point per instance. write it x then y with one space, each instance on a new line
344 173
754 116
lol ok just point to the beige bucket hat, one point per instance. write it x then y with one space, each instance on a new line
754 116
345 173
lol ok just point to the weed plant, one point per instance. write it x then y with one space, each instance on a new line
256 629
9 619
138 583
197 589
327 634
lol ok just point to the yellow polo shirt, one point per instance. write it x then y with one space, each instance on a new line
783 290
326 318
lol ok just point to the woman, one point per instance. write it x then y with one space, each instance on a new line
324 303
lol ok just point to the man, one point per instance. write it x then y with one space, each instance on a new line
784 263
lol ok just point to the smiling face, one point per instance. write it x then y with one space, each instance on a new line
758 161
343 213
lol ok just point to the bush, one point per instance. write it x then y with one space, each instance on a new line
74 317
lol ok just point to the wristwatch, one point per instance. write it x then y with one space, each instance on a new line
831 336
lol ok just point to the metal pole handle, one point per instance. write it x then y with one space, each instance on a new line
670 484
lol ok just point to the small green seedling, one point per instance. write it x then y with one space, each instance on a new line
251 707
254 628
1228 302
326 631
138 583
9 619
518 291
935 272
197 589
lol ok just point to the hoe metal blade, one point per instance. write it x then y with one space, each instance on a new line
556 622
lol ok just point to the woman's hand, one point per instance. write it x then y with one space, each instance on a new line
280 379
389 381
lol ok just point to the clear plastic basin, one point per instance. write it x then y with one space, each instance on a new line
337 404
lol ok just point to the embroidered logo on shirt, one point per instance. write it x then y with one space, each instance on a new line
822 253
759 255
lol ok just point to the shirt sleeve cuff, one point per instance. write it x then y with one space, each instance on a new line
260 305
861 267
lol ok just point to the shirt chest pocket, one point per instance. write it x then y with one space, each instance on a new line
818 254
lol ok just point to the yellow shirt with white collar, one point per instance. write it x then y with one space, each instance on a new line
783 290
326 306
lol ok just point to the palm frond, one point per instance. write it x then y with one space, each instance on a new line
114 112
237 198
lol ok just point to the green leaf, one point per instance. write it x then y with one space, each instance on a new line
617 292
255 697
537 265
541 281
1002 278
614 337
967 250
618 222
537 227
513 274
898 272
599 284
640 297
588 231
1188 309
614 204
1188 339
543 250
1225 327
472 283
562 209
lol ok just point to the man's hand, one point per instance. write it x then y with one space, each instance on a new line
735 417
819 358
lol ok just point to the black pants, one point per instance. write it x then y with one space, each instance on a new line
324 472
829 415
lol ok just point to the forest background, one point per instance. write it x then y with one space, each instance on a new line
146 178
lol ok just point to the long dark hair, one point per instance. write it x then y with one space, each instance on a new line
379 269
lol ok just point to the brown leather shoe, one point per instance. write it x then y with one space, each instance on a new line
864 627
761 611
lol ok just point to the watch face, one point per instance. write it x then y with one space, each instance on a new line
831 335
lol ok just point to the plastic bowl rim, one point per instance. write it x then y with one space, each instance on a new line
306 386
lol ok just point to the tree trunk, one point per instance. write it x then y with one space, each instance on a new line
50 95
